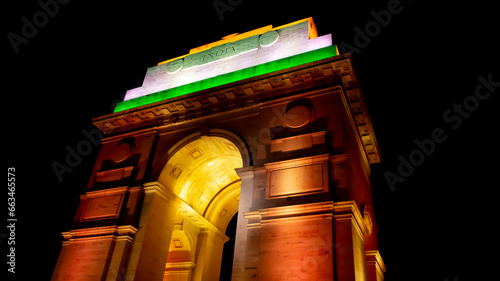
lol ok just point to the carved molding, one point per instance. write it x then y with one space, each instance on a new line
102 231
336 70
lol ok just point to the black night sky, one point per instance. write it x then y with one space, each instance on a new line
419 71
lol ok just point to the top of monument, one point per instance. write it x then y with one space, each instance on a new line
235 57
313 33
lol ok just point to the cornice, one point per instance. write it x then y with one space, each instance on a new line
337 70
102 231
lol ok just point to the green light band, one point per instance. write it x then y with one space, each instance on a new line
260 69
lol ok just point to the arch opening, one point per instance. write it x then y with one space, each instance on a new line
228 252
201 174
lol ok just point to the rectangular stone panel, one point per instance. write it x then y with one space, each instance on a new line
114 175
102 204
103 207
297 177
297 142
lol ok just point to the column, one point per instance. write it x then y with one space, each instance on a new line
297 242
350 243
119 258
375 267
85 254
240 247
152 241
209 255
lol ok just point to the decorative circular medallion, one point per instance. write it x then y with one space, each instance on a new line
123 151
174 66
268 38
297 116
298 113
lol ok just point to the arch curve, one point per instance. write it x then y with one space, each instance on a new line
239 143
200 171
224 206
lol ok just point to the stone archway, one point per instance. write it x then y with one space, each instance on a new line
165 183
196 196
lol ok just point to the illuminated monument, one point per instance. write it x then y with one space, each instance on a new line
269 126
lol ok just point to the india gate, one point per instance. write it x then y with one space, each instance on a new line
268 128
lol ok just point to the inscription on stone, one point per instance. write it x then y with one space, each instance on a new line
220 52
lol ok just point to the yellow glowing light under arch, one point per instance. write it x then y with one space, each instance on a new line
202 174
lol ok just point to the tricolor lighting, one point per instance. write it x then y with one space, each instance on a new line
235 57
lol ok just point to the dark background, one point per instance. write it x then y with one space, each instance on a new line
439 224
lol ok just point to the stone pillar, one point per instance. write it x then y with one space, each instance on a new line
94 253
375 267
349 241
119 258
240 246
179 271
296 242
209 255
151 243
253 246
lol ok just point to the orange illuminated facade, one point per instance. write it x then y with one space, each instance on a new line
287 151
